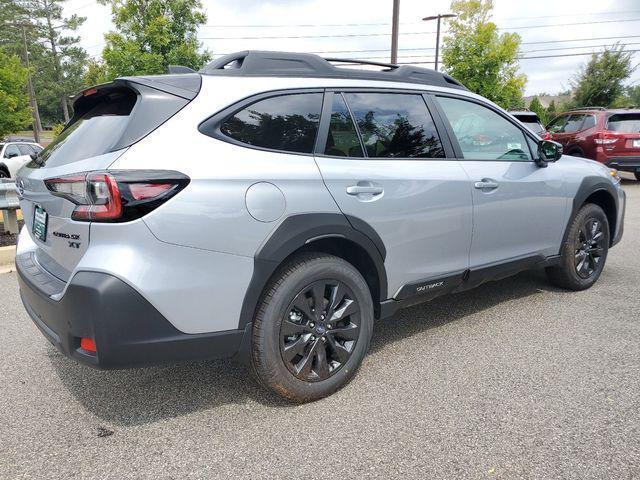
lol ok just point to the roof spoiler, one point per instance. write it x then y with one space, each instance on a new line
180 69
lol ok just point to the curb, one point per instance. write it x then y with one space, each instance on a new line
7 259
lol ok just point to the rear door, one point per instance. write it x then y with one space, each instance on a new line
390 169
518 207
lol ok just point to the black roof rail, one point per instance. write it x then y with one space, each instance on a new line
586 108
287 64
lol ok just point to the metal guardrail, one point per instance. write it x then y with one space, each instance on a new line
9 204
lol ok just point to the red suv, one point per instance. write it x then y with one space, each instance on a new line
611 137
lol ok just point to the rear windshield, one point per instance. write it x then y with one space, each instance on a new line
624 123
94 132
534 126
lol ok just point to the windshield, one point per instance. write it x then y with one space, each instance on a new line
534 126
624 123
93 133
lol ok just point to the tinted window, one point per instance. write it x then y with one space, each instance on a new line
395 125
557 124
574 123
342 140
285 122
94 133
624 123
483 134
11 151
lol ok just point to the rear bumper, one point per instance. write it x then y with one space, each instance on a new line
625 164
128 331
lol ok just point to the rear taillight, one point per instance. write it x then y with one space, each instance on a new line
116 196
606 138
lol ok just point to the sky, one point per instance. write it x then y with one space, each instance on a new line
344 28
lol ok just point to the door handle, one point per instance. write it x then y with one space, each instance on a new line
486 184
358 189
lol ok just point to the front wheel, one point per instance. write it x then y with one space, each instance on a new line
313 328
584 252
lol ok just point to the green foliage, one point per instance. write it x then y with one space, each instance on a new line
601 81
57 129
56 60
551 111
14 103
96 73
153 34
536 106
481 58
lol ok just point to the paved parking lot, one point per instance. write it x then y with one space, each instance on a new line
513 380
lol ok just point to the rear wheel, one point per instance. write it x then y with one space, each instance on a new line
585 251
313 328
4 173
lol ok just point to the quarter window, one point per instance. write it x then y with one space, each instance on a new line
342 140
395 125
483 134
285 122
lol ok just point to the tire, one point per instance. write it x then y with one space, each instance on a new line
637 174
584 253
3 173
295 351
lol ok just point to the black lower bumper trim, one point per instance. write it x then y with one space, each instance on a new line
625 164
128 331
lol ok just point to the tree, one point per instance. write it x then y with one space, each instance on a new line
96 73
601 81
153 34
14 103
551 110
536 106
481 58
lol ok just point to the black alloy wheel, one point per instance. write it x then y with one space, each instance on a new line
589 247
320 330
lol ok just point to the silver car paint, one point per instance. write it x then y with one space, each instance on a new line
423 215
192 258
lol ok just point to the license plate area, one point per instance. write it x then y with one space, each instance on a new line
40 221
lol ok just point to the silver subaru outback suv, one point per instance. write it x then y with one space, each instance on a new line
273 205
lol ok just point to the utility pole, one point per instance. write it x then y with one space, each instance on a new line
394 31
438 17
35 113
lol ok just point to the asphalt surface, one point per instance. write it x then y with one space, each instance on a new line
515 379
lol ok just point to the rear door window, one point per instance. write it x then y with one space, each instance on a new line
624 123
395 125
286 122
484 134
342 139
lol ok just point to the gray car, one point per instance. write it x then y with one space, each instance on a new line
273 205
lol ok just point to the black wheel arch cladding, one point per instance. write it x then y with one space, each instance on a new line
297 232
598 190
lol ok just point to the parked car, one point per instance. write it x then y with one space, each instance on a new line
532 121
304 201
609 136
14 155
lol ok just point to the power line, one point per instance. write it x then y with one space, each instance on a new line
528 58
289 37
384 24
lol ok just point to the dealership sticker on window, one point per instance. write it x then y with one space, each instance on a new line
514 146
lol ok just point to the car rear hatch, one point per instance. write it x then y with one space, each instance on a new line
107 120
622 134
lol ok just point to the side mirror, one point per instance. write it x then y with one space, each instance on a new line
548 151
